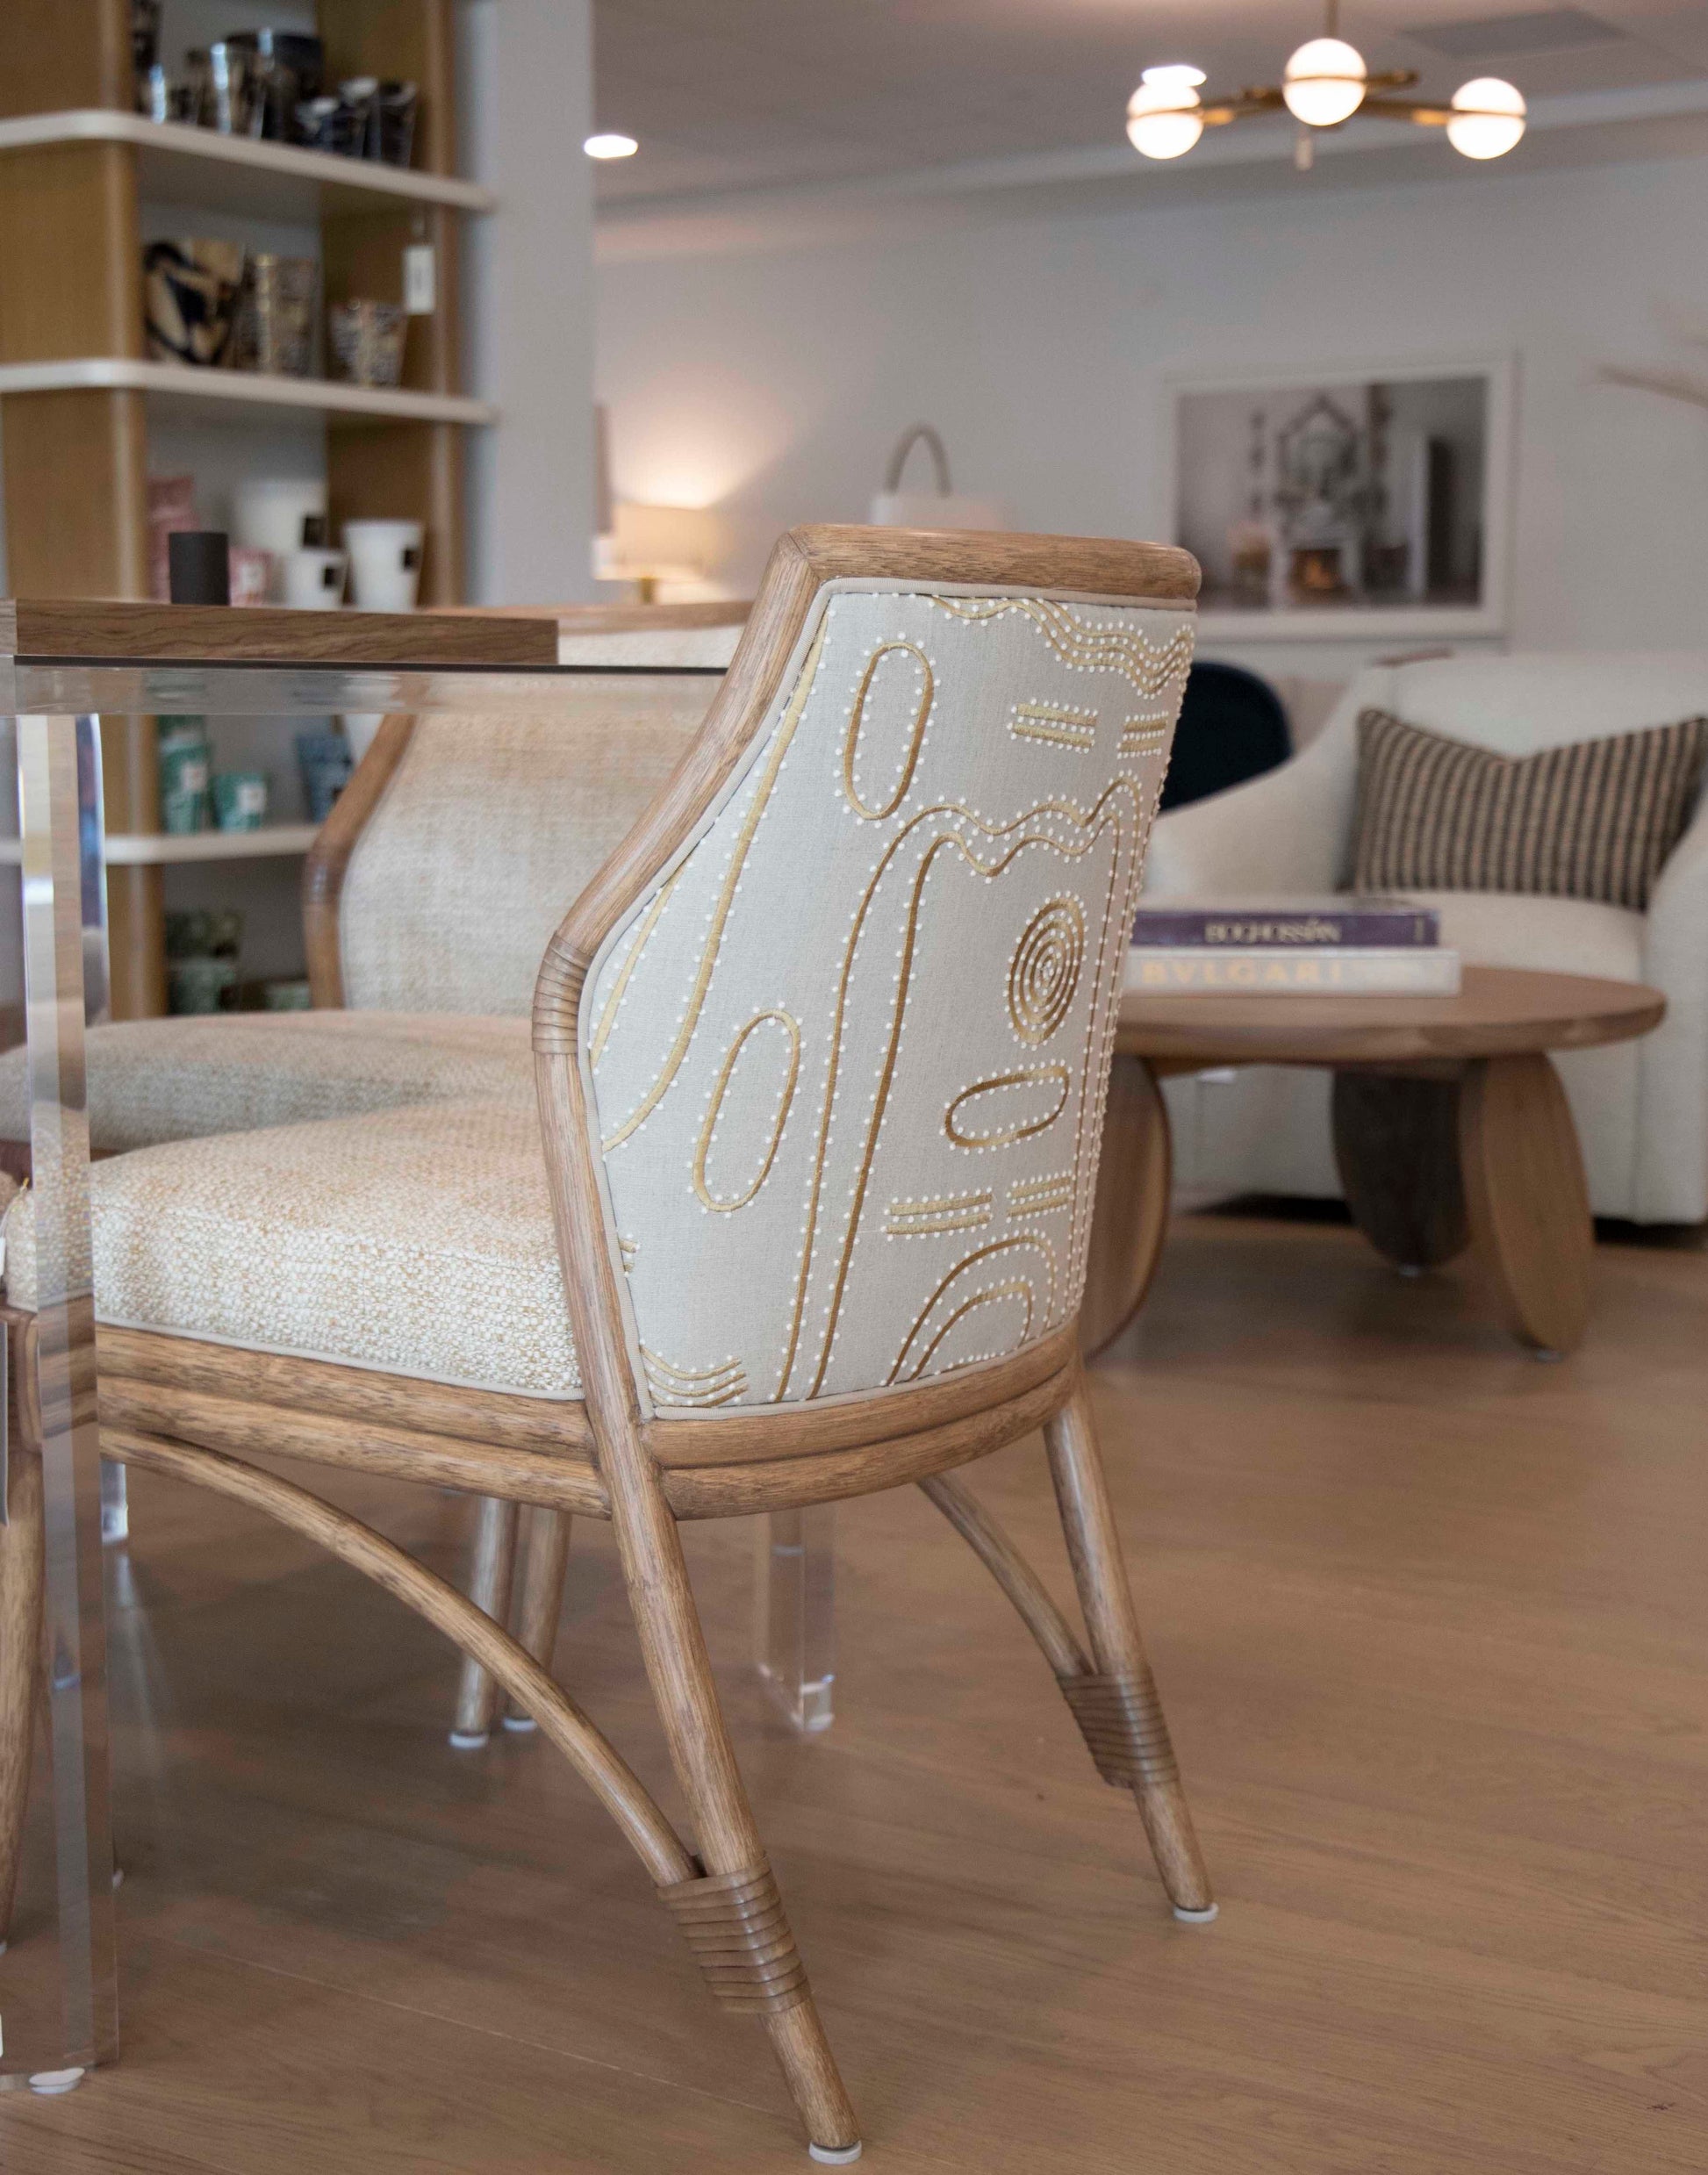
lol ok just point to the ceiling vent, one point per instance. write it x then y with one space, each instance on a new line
1497 37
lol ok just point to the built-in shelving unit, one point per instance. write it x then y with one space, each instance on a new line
177 164
84 180
189 389
167 849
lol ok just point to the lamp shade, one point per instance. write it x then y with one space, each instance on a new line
1324 82
1488 118
669 543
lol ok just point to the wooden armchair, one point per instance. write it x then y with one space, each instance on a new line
820 1056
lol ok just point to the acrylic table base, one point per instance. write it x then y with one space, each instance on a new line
794 1612
59 2009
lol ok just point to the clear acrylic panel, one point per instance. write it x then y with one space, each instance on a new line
794 1612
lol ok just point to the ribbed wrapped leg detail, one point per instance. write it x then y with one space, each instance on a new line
1122 1722
735 1924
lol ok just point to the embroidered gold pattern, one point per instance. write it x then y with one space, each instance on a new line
702 982
916 738
676 1385
1005 1132
1145 735
1087 645
1060 727
708 1130
1044 973
834 1122
946 1212
1041 1197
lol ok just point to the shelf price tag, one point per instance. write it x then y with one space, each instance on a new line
420 279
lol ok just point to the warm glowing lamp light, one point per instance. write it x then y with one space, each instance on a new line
1324 82
610 144
1163 117
650 544
1488 118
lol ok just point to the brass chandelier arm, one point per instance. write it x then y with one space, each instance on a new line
1270 98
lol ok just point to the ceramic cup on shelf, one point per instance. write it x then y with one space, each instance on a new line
240 800
313 580
279 515
385 564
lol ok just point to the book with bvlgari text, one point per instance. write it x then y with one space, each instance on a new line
1292 970
1343 918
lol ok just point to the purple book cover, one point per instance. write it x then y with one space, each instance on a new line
1287 924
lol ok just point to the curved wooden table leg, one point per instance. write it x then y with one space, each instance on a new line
1130 1219
1525 1193
1396 1148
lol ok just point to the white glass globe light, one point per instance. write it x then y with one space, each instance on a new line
1488 118
610 144
1163 117
1324 82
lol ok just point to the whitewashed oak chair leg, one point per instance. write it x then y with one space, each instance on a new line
489 1588
1118 1708
20 1649
539 1595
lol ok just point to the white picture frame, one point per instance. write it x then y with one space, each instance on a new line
1380 618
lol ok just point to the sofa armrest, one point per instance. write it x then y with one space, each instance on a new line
1286 831
1672 1129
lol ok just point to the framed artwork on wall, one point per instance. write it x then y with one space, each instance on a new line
1369 500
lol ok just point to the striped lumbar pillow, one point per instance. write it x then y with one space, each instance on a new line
1593 820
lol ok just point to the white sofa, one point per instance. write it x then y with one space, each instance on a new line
1641 1108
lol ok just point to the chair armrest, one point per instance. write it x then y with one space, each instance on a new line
1672 1124
1286 831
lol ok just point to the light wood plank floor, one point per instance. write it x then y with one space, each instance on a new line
1431 1622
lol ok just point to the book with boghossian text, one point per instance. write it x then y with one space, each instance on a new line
1342 918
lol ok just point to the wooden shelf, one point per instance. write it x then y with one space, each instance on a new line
167 849
177 164
215 392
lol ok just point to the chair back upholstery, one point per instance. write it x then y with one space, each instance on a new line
486 829
848 1049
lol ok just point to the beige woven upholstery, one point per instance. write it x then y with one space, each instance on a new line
849 1057
153 1081
417 1241
489 828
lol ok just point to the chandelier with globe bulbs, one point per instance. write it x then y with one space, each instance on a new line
1322 86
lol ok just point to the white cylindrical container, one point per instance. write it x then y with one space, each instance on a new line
267 512
385 564
313 580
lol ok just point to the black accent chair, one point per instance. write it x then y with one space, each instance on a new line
1232 726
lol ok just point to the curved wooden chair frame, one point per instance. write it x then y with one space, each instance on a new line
197 1411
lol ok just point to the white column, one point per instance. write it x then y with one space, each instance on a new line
526 71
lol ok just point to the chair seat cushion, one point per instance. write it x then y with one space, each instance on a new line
1555 936
155 1080
417 1241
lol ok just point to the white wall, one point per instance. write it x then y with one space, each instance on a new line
773 385
527 68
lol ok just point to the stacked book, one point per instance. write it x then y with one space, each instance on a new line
1347 944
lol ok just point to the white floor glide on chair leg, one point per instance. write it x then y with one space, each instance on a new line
1196 1918
50 2083
833 2155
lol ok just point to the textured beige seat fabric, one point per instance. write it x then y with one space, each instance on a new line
153 1080
489 828
417 1241
849 1056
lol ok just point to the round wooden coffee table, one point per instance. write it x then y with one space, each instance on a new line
1451 1129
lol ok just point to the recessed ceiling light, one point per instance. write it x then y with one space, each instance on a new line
610 146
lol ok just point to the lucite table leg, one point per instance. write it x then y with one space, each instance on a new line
795 1611
58 818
